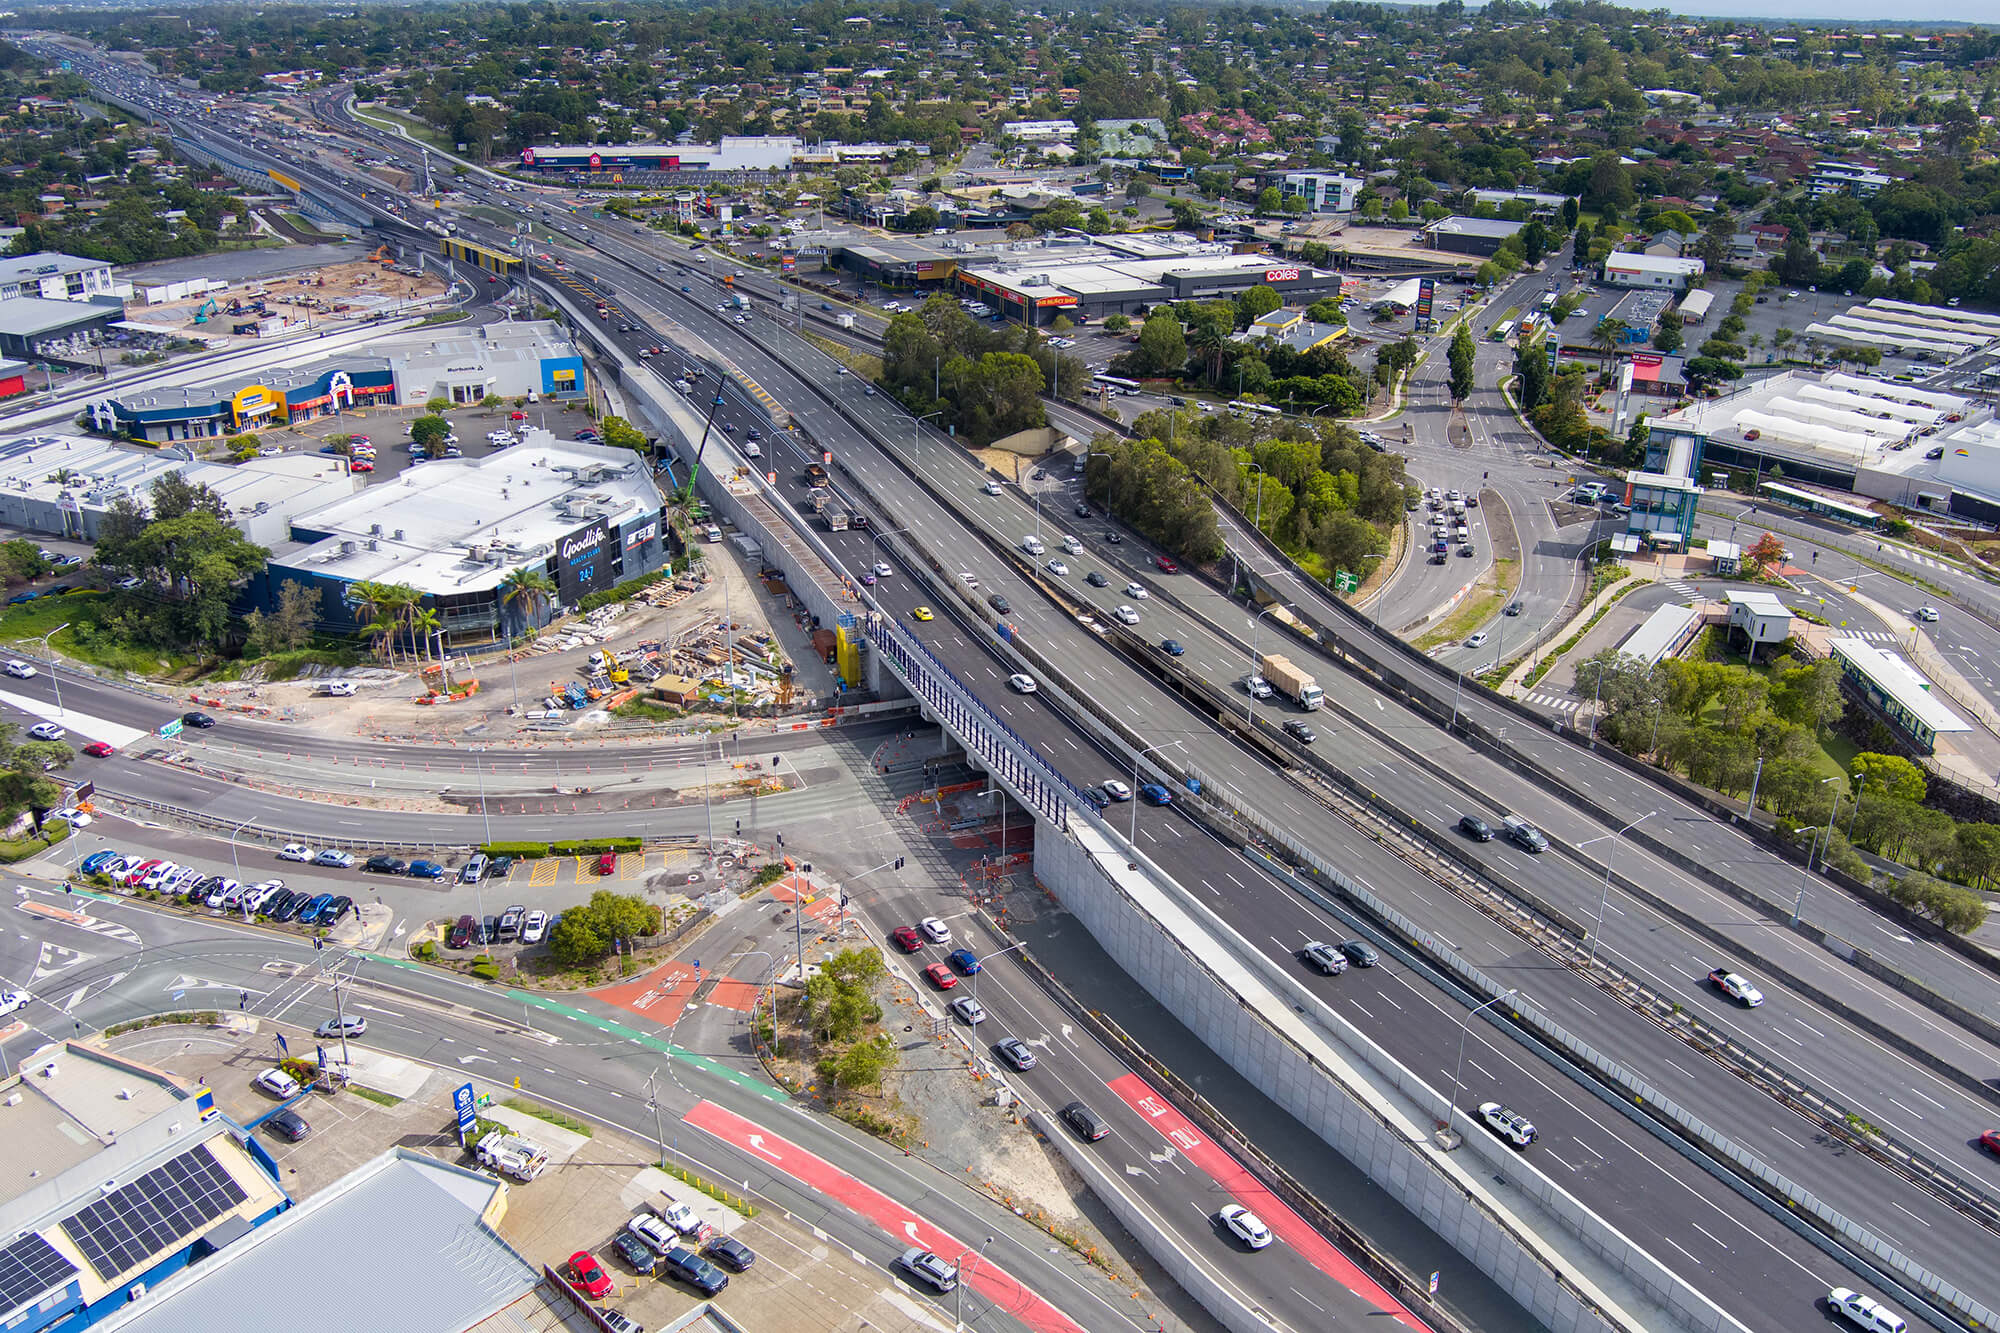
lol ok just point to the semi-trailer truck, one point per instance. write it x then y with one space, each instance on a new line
1291 682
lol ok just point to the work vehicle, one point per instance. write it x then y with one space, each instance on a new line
1511 1126
1736 986
513 1156
1288 680
1865 1311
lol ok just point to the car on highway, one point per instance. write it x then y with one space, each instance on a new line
1136 591
922 613
883 569
936 930
1021 683
588 1276
1990 1140
1172 647
1736 986
20 670
689 1267
199 721
1477 639
334 858
1359 952
1511 609
941 976
1059 568
276 1082
1300 732
1016 1053
1096 579
1245 1225
1928 614
1865 1312
999 603
47 731
1089 1126
1152 793
1323 958
1511 1126
1114 790
10 1000
965 960
100 749
1256 686
992 488
1125 615
906 939
932 1270
1165 564
969 1011
1475 828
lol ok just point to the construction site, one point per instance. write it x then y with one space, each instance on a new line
226 313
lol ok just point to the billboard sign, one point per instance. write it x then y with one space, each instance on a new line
463 1102
583 564
1426 293
1281 275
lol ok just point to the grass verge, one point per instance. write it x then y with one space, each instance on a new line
713 1191
861 363
371 1095
1476 609
556 1118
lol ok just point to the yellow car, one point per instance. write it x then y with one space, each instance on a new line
922 613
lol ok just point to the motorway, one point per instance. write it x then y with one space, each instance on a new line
1739 1274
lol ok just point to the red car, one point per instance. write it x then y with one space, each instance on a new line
100 749
906 939
517 416
1166 565
361 465
589 1276
941 976
1990 1141
607 864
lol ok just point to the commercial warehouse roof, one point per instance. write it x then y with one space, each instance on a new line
26 316
1623 261
409 1234
1496 228
1850 417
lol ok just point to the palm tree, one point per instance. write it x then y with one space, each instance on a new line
424 623
525 591
369 604
407 602
1608 337
1210 339
382 632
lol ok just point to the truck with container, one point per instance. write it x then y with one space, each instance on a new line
819 497
815 475
1294 684
741 300
836 520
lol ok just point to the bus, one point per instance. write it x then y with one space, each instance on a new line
1113 384
1243 408
1503 330
1548 300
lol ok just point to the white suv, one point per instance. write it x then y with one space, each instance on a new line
1512 1126
1865 1311
930 1268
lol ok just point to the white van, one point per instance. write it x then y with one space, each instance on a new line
1033 545
1072 545
712 533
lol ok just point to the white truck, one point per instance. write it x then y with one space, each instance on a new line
512 1156
1291 682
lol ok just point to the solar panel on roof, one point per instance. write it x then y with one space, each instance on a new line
29 1268
154 1213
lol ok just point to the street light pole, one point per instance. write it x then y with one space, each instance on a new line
1465 1026
1604 895
1813 848
55 676
234 863
653 1101
979 963
1256 655
917 432
958 1309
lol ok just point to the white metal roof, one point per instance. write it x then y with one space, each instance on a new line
1901 682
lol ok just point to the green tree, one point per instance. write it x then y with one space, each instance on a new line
1461 356
20 560
1255 303
1268 200
1117 323
1888 775
576 940
1668 337
1162 344
1531 371
1326 310
525 591
619 433
428 432
437 406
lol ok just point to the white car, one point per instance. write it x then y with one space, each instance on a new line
1126 615
1925 613
1021 683
1245 1225
1136 591
533 926
338 689
1477 640
296 851
1512 1126
1257 687
1736 986
882 569
20 670
278 1083
10 1000
657 1235
1058 568
970 1011
1116 790
260 894
72 816
934 1270
993 488
938 931
680 1217
1865 1311
47 731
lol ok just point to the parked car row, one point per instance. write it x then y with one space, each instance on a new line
268 898
516 925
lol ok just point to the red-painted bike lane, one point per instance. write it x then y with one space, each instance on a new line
994 1284
1247 1190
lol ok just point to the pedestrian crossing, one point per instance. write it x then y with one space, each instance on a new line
1684 589
1872 635
1555 703
1910 557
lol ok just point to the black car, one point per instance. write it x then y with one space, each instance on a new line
203 887
500 867
199 720
280 900
694 1270
1359 952
1475 828
1512 609
386 865
1300 732
1096 579
634 1252
489 930
1113 538
290 1124
289 907
1085 1122
731 1253
1083 511
330 914
1000 604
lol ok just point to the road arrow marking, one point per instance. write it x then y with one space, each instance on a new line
756 1142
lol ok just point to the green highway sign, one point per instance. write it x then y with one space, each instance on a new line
169 730
1344 581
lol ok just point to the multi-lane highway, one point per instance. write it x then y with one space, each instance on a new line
1741 1258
